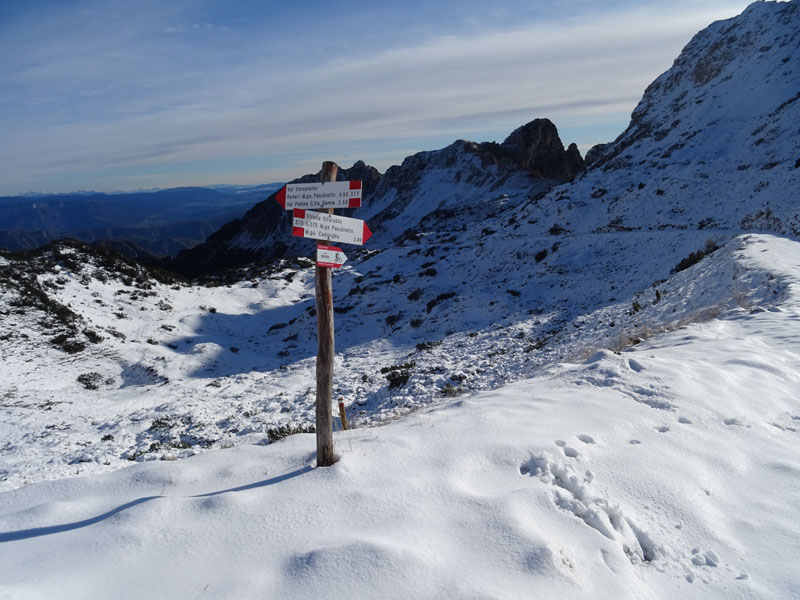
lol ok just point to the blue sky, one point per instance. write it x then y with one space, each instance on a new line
129 94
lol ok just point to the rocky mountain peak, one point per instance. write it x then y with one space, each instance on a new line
713 144
741 70
532 158
537 148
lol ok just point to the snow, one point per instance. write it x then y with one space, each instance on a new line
539 411
664 470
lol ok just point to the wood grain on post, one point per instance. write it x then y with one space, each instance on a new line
325 348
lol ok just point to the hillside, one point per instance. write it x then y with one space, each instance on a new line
645 473
462 177
476 276
712 145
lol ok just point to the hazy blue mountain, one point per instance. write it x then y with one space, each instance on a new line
158 222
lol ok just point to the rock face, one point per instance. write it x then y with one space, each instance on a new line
461 177
537 148
714 142
736 72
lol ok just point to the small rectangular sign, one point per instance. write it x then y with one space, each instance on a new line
322 226
330 256
331 194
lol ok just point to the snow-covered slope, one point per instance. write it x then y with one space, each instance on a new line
715 142
668 470
476 276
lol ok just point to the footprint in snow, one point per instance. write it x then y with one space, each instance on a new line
570 452
574 494
662 429
704 559
586 439
635 365
634 442
684 420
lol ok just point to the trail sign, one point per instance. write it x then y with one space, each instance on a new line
328 229
323 226
330 256
331 194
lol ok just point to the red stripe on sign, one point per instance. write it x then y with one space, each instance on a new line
367 234
298 232
329 248
281 197
355 185
300 213
354 203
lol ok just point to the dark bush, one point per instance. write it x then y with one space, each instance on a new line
427 345
278 433
398 375
91 381
695 257
392 320
92 336
439 298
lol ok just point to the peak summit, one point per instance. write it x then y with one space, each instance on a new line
537 147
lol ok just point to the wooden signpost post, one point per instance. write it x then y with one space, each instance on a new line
321 224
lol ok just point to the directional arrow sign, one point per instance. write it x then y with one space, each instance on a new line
332 194
330 256
322 226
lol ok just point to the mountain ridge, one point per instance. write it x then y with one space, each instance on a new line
533 151
160 222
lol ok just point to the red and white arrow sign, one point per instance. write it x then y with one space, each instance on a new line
322 226
331 194
330 256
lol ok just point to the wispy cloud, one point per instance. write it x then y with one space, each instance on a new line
116 91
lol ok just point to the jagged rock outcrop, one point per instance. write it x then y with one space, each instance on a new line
463 177
537 148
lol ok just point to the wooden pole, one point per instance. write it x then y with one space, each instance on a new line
342 413
324 293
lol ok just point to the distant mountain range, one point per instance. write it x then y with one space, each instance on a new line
139 224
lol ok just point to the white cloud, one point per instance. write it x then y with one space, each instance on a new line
206 106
